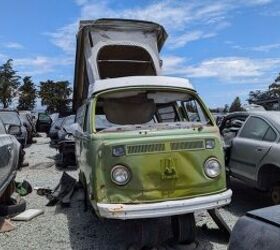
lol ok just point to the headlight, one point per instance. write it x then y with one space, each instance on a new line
118 151
120 175
210 143
212 168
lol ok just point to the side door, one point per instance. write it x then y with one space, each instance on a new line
250 147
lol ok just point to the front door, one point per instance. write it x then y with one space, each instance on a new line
250 147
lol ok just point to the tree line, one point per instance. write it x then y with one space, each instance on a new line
265 98
55 95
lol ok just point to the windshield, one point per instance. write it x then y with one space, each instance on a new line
148 109
10 118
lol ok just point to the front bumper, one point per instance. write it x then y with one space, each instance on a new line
162 209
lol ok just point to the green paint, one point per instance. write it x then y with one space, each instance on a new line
168 172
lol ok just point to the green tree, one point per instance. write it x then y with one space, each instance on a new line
9 82
226 109
56 96
236 105
27 94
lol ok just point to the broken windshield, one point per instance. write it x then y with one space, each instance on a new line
148 109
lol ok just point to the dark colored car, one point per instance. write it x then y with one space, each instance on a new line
14 126
27 122
257 230
9 158
43 123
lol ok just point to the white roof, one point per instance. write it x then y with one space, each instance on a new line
139 81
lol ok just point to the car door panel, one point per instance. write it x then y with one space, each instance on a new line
250 147
246 154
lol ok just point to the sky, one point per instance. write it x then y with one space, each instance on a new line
226 48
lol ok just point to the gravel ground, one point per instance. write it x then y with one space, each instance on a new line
74 228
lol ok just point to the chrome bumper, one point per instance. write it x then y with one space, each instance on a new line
162 209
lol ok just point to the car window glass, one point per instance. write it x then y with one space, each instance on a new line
10 118
270 135
167 114
254 128
44 117
195 112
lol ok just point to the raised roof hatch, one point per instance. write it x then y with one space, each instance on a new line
110 48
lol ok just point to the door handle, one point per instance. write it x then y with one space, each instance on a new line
9 148
259 149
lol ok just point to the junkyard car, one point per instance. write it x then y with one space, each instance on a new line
14 126
151 159
146 144
254 152
27 122
56 125
62 132
66 147
9 157
43 123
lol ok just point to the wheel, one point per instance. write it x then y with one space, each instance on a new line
12 207
183 228
275 195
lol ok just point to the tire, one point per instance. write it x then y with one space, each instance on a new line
275 195
12 207
184 228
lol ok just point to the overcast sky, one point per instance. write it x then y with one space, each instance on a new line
226 47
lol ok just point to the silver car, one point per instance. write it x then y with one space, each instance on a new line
255 153
9 158
14 126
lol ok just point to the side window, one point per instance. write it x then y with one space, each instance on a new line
254 128
195 112
270 135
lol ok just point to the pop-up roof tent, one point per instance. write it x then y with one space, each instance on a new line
110 48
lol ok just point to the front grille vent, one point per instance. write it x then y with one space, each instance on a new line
145 148
188 145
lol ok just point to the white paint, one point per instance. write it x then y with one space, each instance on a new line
139 81
162 209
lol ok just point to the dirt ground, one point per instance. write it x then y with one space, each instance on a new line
77 229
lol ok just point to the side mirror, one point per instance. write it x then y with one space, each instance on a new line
14 130
57 127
